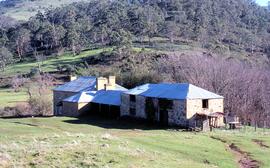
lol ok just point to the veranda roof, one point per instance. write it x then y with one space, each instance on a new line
108 97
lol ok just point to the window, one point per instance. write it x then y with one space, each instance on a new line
205 103
132 98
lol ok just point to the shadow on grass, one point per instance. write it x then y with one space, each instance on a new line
121 123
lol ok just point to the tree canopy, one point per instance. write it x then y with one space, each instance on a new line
234 25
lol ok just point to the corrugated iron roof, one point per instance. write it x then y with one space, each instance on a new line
179 91
109 97
82 97
84 83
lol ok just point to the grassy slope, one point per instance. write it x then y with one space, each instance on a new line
11 98
50 64
49 142
23 11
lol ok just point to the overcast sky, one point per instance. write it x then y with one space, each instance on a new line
262 2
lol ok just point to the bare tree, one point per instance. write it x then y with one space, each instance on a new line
245 88
6 57
17 82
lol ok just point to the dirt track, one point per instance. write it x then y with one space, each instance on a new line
260 143
244 158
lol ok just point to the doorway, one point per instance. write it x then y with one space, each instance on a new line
164 106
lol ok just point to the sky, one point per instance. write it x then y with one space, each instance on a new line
262 2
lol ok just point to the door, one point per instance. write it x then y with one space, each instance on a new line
164 106
150 110
163 117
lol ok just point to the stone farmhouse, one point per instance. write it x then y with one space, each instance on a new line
87 94
173 104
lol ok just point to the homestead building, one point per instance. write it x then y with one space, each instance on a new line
86 93
174 104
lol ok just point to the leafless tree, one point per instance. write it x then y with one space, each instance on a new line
245 88
17 82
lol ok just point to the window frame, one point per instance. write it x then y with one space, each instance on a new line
205 103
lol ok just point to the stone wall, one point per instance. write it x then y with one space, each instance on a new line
71 109
124 107
216 105
140 107
195 106
59 96
126 104
183 111
177 116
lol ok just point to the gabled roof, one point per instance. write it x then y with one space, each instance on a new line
179 91
84 83
109 97
81 84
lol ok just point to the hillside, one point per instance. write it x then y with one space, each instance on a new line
220 26
70 142
220 45
24 9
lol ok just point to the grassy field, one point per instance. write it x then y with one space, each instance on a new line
11 98
69 142
50 64
28 8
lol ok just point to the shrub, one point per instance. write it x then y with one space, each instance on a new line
22 109
135 78
17 82
33 72
41 106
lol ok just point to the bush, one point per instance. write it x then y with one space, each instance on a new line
33 72
23 109
40 106
20 110
133 79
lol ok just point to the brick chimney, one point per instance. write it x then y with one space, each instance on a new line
101 83
106 84
111 83
72 78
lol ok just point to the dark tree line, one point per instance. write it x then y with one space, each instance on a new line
226 24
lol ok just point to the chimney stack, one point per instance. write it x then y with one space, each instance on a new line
101 82
106 84
72 78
